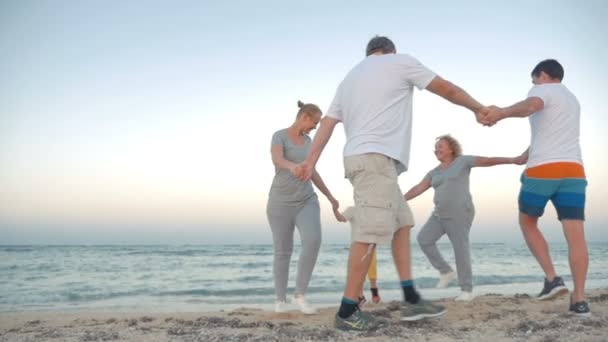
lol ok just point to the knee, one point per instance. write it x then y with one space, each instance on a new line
529 230
527 222
312 243
283 251
422 240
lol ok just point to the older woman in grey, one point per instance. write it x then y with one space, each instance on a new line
293 203
453 213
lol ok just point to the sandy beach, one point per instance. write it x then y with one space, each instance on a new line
490 317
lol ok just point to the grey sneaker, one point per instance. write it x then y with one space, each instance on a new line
420 310
553 289
359 321
580 309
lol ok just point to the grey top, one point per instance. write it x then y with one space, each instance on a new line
452 195
286 189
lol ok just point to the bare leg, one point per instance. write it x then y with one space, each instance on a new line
357 269
401 252
537 244
577 255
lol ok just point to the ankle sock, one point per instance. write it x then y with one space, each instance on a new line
409 292
347 307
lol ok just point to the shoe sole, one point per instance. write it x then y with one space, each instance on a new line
556 292
358 330
423 316
584 315
343 327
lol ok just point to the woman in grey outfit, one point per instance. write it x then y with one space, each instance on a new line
453 213
293 203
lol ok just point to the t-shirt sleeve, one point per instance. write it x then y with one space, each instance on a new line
468 161
335 109
416 73
540 92
278 139
429 176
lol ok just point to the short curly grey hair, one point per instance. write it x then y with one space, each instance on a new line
452 142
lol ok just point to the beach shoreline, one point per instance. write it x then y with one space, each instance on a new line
493 317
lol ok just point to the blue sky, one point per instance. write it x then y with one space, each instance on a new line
150 121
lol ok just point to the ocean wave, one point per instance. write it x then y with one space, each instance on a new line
198 252
246 291
18 249
168 253
96 276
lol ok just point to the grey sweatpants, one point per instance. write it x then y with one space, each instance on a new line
283 220
457 230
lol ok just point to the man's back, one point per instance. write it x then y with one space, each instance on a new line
374 102
555 128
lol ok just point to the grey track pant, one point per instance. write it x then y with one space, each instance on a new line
283 220
457 230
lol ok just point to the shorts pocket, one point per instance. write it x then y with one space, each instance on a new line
376 217
353 166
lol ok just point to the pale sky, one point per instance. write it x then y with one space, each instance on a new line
150 121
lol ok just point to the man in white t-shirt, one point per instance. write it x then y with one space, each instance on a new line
555 172
374 102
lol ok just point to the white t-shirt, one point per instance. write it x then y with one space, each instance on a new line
555 128
374 102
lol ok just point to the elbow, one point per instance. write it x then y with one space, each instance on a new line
533 105
530 109
533 109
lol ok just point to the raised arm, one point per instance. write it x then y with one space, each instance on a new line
521 109
491 161
456 95
326 128
418 189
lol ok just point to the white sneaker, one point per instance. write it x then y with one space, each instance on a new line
280 306
304 305
465 297
445 279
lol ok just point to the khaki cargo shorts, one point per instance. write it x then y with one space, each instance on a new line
380 209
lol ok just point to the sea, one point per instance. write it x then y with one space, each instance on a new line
190 278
